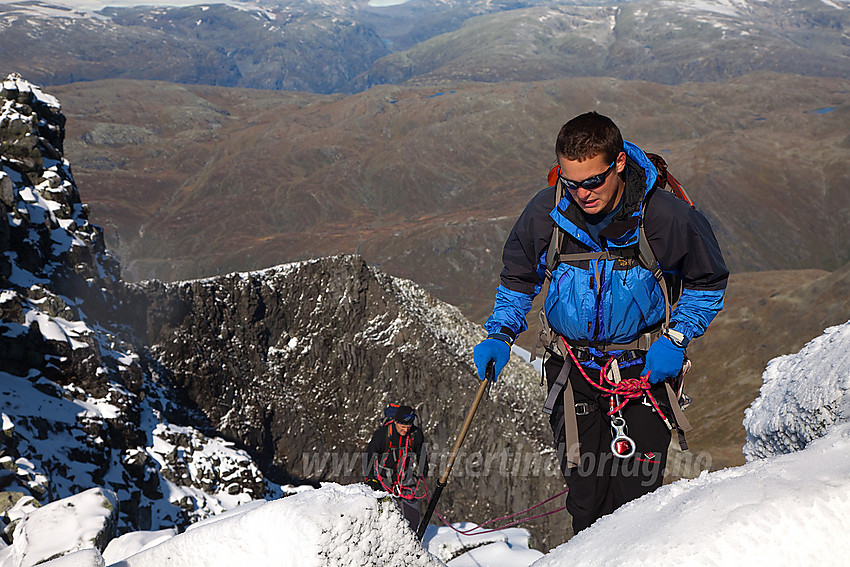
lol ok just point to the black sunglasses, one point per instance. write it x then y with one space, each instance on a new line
589 183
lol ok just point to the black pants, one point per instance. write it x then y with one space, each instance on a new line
602 482
410 511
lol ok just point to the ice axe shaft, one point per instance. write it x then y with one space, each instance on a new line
489 374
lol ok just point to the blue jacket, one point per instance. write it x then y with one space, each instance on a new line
611 301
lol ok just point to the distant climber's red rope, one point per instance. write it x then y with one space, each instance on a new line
472 531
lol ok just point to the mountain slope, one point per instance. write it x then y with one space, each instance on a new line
664 42
426 182
328 47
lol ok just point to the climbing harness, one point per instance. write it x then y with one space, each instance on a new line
400 488
620 391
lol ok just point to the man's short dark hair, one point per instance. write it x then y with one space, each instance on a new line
589 135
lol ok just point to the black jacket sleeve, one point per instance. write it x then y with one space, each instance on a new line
684 243
527 242
378 445
420 450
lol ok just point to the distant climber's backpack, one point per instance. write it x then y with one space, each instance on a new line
389 413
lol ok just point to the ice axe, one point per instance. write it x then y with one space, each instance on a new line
489 375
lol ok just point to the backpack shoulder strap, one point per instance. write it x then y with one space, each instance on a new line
646 258
557 234
664 181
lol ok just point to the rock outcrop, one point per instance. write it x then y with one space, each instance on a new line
297 363
80 408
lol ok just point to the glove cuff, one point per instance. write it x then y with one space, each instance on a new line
677 338
504 337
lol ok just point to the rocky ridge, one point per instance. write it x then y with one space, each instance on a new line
80 408
189 398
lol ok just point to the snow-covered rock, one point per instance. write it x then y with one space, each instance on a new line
83 521
802 398
132 543
82 558
335 526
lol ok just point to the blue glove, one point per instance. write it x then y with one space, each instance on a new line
491 349
663 360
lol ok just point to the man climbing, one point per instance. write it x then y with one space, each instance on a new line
612 342
396 462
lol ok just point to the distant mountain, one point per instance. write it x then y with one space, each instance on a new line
343 47
663 42
287 48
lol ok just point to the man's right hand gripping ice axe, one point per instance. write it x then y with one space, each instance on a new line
496 350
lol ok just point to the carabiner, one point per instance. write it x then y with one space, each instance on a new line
622 445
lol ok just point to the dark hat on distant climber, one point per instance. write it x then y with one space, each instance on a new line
404 415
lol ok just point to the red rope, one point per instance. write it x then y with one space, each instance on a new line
628 388
471 531
398 488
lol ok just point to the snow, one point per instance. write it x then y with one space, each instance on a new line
801 397
15 82
386 3
500 553
68 9
82 558
330 527
69 524
525 355
58 329
502 547
786 506
135 542
787 510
